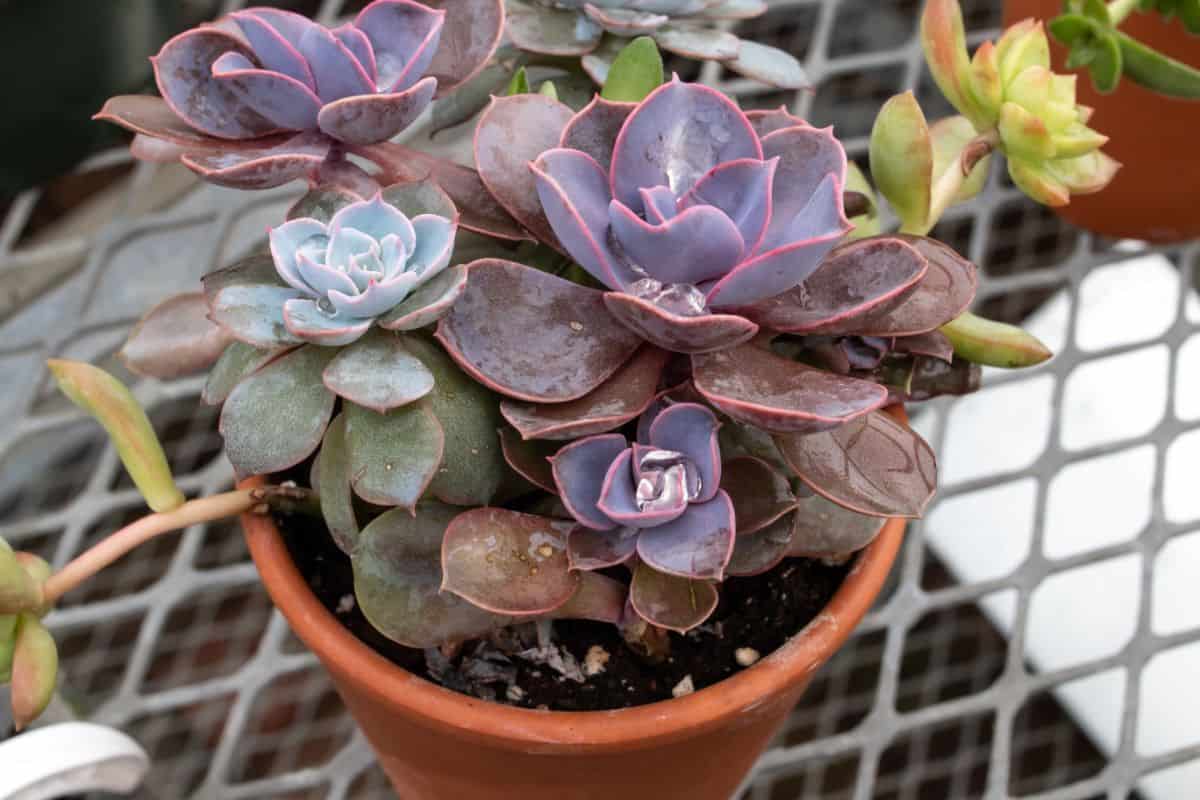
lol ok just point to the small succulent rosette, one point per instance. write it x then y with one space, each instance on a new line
1008 90
597 30
263 96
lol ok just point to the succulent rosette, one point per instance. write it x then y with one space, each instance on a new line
264 96
597 29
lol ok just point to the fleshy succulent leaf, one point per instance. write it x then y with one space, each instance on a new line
669 601
597 598
757 552
702 44
175 338
755 386
114 407
949 136
872 465
275 417
697 544
519 83
18 592
675 332
824 529
8 641
579 470
998 344
691 429
238 361
577 347
429 302
393 456
247 299
594 129
398 579
589 549
635 72
902 159
507 562
379 373
367 119
760 495
618 400
333 486
944 42
472 466
512 132
770 65
259 169
470 35
321 203
553 32
529 458
34 670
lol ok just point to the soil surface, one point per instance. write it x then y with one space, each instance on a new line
587 666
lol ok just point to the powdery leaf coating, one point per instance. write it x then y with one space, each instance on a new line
238 361
366 119
247 299
512 132
943 294
152 117
508 562
430 302
679 334
755 386
576 349
872 465
669 601
321 203
472 466
755 553
398 578
704 44
529 458
332 471
275 417
824 529
594 129
868 277
579 471
589 549
470 35
175 338
259 169
377 372
696 545
553 32
393 456
760 494
620 399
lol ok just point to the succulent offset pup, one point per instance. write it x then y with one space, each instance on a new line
665 363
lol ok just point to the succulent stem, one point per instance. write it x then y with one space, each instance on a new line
1118 10
143 530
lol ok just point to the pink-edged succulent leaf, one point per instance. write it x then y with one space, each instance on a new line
767 121
151 117
398 579
332 471
553 32
944 41
669 601
184 71
624 21
322 202
703 333
529 458
472 467
594 129
618 495
700 243
691 430
579 470
755 386
933 344
702 44
675 136
760 494
34 670
421 197
589 549
696 545
238 361
742 190
755 553
307 321
175 338
429 302
404 36
739 440
770 65
260 169
470 35
618 400
735 9
943 294
247 299
285 102
807 156
872 465
489 331
866 278
513 132
275 417
371 118
507 562
597 598
379 373
824 529
393 456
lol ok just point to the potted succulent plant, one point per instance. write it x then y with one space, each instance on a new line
572 465
1142 59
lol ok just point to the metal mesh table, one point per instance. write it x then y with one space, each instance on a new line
179 645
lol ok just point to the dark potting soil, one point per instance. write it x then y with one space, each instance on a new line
755 616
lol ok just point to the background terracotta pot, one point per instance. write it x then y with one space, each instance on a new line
1154 196
436 744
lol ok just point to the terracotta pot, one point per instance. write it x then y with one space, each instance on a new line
436 744
1154 196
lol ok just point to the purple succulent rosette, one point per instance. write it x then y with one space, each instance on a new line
264 96
659 498
596 30
356 268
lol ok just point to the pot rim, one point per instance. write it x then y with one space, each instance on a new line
567 731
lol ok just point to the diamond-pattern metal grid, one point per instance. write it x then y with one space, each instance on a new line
179 646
